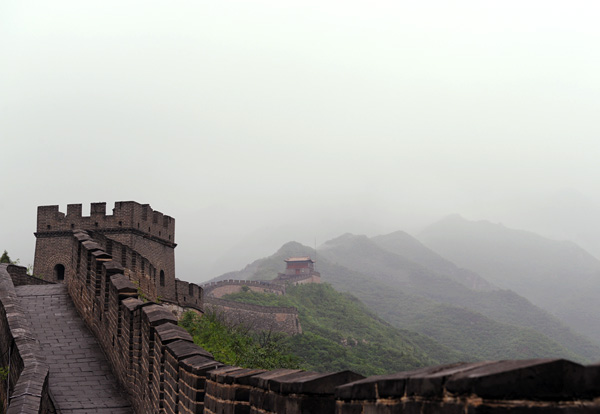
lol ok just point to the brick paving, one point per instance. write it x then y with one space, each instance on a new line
80 378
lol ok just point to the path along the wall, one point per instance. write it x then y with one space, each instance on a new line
80 378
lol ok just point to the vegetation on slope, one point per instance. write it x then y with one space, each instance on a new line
5 258
235 345
340 332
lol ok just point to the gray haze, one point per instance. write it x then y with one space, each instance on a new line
256 123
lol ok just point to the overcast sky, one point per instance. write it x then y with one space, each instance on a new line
258 122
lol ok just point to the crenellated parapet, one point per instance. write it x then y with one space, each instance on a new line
189 295
147 351
126 216
295 280
225 287
256 317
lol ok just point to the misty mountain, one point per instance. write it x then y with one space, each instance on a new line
565 214
558 276
410 296
405 245
397 272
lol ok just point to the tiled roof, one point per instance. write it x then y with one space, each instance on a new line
300 259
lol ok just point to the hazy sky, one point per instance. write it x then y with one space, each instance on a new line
258 122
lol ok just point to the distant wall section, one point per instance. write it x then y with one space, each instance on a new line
256 317
226 287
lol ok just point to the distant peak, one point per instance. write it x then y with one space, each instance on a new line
345 238
291 244
294 249
458 219
393 235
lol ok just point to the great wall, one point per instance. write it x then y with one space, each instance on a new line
107 275
263 318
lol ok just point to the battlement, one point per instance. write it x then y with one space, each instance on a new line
256 317
225 287
126 216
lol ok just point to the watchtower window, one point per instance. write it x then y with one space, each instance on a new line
120 223
48 227
59 272
191 289
162 278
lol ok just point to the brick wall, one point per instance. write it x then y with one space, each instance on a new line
161 256
256 317
20 277
312 277
27 387
51 250
152 357
226 287
189 295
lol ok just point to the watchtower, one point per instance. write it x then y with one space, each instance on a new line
148 232
298 271
299 266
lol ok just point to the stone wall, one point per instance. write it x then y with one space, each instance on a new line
26 389
52 249
303 279
189 295
256 317
20 277
522 386
226 287
154 359
237 390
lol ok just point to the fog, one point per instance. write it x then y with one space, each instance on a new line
256 123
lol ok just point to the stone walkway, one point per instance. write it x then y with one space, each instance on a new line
80 378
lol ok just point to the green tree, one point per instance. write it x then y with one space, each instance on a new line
5 258
235 345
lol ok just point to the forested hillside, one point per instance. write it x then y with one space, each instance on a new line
339 332
489 324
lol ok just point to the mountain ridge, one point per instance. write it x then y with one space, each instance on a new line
558 276
404 307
